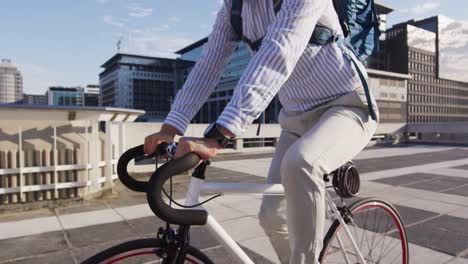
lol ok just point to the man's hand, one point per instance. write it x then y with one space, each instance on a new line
206 148
166 135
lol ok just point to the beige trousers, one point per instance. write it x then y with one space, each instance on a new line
311 144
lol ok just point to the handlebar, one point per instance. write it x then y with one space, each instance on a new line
154 195
125 178
154 187
137 153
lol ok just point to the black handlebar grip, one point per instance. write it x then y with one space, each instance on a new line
125 178
154 195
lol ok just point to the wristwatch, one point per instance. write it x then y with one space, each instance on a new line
213 131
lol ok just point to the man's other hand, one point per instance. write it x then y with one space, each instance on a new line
206 148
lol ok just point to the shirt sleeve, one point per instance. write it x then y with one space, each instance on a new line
206 73
284 43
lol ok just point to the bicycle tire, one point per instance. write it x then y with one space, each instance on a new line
132 249
360 206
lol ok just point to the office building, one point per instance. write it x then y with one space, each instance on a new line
91 95
11 83
35 99
71 96
142 82
414 49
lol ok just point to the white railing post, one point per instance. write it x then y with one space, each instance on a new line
21 164
108 156
122 137
94 157
87 159
55 157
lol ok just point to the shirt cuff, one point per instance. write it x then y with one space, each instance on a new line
177 120
234 120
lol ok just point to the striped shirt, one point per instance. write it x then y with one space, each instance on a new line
304 75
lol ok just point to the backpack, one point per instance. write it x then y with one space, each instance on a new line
359 22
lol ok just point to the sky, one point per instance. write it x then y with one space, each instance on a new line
64 42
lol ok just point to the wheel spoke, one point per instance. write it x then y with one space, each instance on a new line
380 240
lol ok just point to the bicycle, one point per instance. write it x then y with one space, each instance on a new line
368 238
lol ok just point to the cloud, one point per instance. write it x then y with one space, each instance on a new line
163 27
103 1
174 19
113 22
150 41
422 8
453 49
138 11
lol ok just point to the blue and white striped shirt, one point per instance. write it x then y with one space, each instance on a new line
308 75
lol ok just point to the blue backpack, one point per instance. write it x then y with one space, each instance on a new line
359 22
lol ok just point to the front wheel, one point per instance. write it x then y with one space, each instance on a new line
142 251
377 229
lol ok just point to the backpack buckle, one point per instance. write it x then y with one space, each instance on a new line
336 38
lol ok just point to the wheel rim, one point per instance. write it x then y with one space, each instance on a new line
378 242
131 257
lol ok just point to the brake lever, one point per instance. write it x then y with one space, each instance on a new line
162 150
145 157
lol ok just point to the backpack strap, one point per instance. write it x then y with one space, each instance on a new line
277 5
236 22
236 17
365 84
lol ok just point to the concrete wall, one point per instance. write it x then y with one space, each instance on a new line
42 161
36 166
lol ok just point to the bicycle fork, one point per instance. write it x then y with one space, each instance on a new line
337 215
215 228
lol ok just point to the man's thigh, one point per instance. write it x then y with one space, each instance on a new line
286 139
338 136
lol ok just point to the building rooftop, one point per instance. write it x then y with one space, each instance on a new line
388 74
383 9
192 46
65 89
119 56
27 112
5 63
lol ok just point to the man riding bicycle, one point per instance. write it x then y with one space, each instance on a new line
325 119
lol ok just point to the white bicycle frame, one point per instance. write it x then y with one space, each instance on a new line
198 187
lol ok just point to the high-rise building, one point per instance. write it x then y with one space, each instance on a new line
91 95
142 82
72 96
414 48
11 83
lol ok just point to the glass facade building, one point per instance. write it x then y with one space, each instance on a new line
142 82
71 96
